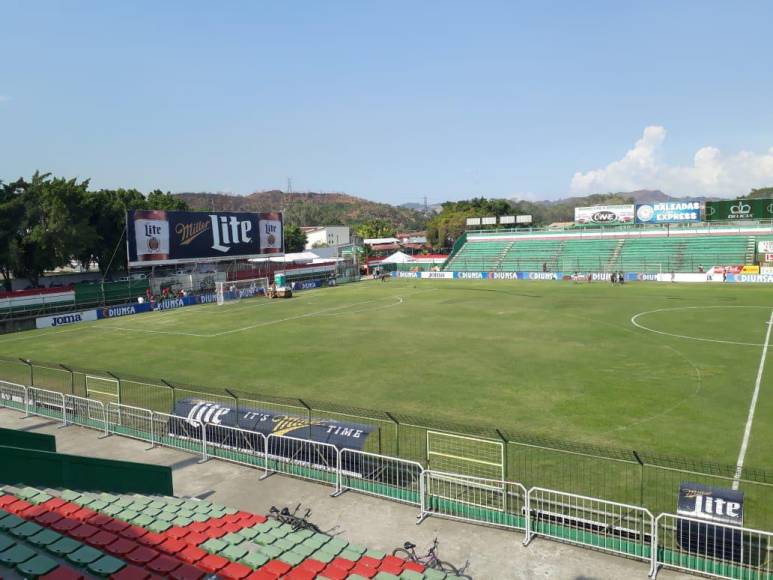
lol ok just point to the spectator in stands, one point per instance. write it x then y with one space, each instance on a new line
544 266
700 269
621 277
613 277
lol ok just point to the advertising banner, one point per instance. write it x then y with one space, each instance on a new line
123 310
669 212
157 237
765 246
191 413
604 214
62 319
739 209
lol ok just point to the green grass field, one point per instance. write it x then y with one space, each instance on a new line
553 359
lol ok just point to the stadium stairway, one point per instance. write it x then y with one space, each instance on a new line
69 535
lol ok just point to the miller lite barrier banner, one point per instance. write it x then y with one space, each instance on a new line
157 237
739 209
604 214
193 412
670 212
716 505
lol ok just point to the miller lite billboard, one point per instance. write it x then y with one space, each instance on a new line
158 237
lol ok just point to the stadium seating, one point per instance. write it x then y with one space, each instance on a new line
67 535
645 255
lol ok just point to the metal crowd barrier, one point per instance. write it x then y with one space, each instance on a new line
668 541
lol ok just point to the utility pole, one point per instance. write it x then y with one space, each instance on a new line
289 185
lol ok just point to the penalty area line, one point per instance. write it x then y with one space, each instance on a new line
752 408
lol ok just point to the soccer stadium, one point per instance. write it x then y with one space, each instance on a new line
386 291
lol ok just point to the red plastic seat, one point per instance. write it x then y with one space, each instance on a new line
342 563
198 527
65 525
130 532
18 506
163 564
216 522
262 575
6 500
364 571
99 520
68 508
83 532
172 546
35 511
83 514
121 547
116 526
177 533
278 567
235 571
212 563
215 533
312 565
48 519
191 554
414 566
53 503
131 573
151 539
369 562
186 572
333 573
102 539
62 573
391 567
230 527
141 555
393 560
195 539
300 574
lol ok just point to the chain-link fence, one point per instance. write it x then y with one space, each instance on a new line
619 475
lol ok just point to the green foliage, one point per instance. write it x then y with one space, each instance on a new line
47 222
761 193
376 228
295 239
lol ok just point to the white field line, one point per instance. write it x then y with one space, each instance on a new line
752 407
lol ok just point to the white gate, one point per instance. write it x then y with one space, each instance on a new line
465 455
105 389
85 412
13 396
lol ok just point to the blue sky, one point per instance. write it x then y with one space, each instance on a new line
391 100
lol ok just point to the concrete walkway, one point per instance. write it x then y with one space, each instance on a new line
377 523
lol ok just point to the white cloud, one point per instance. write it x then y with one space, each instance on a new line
712 172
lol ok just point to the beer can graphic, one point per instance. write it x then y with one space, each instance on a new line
151 233
270 227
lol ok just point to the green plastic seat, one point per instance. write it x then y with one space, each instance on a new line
124 502
411 575
113 509
98 505
336 544
106 566
248 533
375 554
430 574
40 498
37 566
128 515
271 551
199 517
143 521
152 512
303 534
350 555
254 559
10 521
84 555
214 546
264 539
26 530
387 576
304 550
64 546
360 549
16 554
166 516
85 500
184 513
234 553
159 526
108 497
44 538
230 510
323 556
292 558
234 538
70 495
6 542
285 544
181 522
136 506
27 493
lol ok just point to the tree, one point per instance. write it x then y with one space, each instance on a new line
376 228
761 193
294 238
157 199
11 211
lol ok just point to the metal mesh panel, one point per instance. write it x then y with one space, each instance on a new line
86 412
105 389
713 549
465 455
374 474
14 371
52 378
236 445
609 526
303 458
130 422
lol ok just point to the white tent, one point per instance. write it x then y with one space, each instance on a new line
397 258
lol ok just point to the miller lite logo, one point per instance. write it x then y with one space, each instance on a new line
270 235
228 230
710 503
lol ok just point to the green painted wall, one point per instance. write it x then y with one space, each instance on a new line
25 440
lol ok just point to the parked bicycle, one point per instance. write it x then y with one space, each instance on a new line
297 522
431 560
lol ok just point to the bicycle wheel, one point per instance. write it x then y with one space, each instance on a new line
447 568
404 554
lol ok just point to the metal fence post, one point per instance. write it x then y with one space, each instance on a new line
308 410
117 378
641 476
29 364
203 442
529 531
397 431
72 378
422 497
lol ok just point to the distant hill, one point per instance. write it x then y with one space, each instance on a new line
310 208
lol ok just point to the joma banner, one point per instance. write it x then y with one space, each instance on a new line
171 237
192 413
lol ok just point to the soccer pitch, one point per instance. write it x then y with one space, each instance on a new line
669 368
